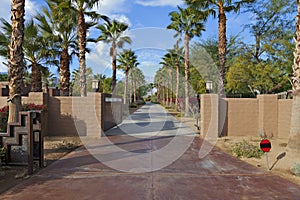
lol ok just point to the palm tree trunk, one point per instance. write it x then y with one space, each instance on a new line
171 88
134 90
64 72
186 65
177 83
167 92
36 83
82 46
16 56
222 50
163 91
131 86
114 67
294 138
125 87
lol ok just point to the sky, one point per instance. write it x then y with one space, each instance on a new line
147 20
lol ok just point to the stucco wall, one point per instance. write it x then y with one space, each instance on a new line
70 116
284 117
247 117
242 117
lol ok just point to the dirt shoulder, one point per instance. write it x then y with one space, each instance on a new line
280 160
55 148
281 167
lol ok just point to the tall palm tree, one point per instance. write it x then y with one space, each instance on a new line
83 8
61 31
188 22
177 53
34 51
127 60
37 54
112 32
16 58
168 61
160 82
220 6
294 138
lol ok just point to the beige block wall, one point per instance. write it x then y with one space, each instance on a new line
284 117
242 117
268 114
88 113
247 117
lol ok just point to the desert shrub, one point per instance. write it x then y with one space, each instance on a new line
246 150
296 169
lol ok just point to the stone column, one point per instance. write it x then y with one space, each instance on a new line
209 119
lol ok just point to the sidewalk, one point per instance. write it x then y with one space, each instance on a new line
132 146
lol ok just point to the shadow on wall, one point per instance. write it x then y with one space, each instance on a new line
61 121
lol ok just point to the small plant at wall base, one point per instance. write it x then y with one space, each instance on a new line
296 169
264 135
25 107
246 150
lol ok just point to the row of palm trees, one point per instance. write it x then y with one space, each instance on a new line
52 39
189 22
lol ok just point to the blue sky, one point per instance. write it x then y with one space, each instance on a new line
147 20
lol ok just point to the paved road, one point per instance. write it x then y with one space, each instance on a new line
151 156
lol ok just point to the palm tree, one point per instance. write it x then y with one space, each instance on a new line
37 54
221 6
16 58
34 51
169 62
190 23
83 8
112 32
177 53
127 60
294 138
160 82
61 31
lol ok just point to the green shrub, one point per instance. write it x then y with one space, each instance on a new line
246 150
296 169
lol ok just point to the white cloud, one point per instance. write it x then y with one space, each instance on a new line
108 7
121 18
99 59
151 37
154 3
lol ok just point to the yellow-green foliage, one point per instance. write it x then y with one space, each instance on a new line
246 150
